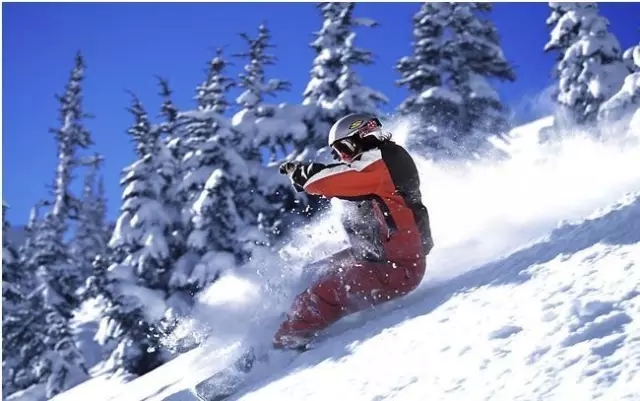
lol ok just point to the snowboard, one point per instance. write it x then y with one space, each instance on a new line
254 364
259 362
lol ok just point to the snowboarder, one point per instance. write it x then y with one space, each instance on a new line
374 169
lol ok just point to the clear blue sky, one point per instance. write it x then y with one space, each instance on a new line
126 44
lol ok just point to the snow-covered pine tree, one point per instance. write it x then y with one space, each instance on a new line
14 287
624 106
147 220
456 52
197 126
474 57
52 351
23 330
91 233
142 252
71 137
170 126
259 126
172 135
591 68
13 277
566 35
126 331
47 342
431 103
335 90
255 89
207 141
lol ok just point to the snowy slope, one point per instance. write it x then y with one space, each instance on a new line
525 298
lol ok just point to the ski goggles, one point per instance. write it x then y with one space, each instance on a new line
372 126
350 147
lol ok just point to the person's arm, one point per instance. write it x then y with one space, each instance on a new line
338 180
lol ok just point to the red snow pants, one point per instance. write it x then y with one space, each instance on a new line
349 286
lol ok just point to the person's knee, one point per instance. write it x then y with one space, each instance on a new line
417 270
327 292
407 276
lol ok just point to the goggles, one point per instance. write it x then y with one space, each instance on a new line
350 147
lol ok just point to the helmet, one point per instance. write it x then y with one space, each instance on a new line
354 134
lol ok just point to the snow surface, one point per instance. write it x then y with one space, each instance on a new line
529 295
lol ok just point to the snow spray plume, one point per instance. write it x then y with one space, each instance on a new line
486 209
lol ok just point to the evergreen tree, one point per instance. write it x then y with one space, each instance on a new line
335 90
91 234
263 195
255 89
624 106
170 127
456 53
13 277
590 69
476 57
42 335
14 280
142 251
173 136
436 107
125 331
206 140
199 125
71 137
50 349
146 220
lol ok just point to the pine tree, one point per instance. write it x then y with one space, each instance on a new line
264 194
206 146
146 220
199 125
590 69
624 106
125 331
335 90
14 286
436 107
256 88
51 349
170 127
476 57
142 251
456 53
172 134
71 137
91 234
13 277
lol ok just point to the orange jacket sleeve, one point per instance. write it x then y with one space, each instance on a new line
343 181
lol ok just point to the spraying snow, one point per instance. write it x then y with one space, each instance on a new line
486 210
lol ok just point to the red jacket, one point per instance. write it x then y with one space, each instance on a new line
388 177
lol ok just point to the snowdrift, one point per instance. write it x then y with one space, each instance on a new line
525 298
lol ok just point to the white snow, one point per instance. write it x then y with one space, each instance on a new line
440 92
529 295
623 104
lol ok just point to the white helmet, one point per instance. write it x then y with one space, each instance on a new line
352 134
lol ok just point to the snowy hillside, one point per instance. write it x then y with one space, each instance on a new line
532 293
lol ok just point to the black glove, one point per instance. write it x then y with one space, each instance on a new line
288 167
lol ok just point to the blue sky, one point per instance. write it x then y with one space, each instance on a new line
126 44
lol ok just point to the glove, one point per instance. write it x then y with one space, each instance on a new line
293 170
288 167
